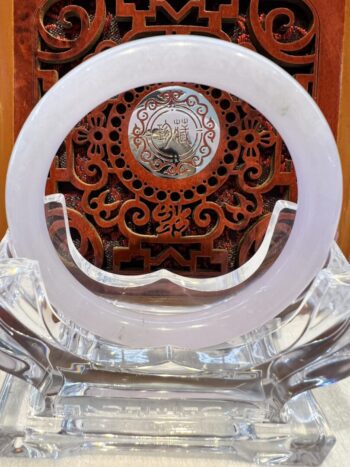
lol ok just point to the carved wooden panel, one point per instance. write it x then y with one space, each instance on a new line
135 216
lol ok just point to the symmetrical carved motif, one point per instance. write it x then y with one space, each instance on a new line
174 132
196 222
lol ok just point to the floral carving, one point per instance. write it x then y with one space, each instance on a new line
253 136
161 222
93 133
213 220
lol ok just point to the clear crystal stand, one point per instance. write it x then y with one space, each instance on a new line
69 392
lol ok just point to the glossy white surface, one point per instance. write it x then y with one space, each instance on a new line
200 60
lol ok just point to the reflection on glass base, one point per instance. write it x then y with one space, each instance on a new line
72 392
95 418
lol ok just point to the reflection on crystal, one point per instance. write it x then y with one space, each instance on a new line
211 392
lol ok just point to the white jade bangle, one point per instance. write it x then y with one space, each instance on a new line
212 62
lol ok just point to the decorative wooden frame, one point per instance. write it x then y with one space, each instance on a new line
6 99
344 136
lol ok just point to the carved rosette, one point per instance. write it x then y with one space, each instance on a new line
190 194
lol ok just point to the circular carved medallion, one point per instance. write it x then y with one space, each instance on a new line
174 132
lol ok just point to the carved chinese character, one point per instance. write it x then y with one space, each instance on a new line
173 219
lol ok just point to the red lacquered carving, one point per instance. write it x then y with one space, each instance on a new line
202 224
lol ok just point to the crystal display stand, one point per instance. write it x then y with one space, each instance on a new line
70 392
160 361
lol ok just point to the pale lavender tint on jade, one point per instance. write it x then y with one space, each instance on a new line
223 365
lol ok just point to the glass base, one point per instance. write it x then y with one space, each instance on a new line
95 418
73 392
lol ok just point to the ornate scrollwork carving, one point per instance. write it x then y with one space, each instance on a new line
280 33
74 32
204 222
184 221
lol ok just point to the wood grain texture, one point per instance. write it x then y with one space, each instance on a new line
344 138
24 59
331 15
6 99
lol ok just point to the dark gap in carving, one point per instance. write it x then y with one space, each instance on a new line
177 5
214 5
190 19
135 265
139 4
205 264
124 25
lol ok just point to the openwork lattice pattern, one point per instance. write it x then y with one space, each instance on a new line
124 217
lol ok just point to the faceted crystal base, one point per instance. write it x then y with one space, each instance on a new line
72 392
96 418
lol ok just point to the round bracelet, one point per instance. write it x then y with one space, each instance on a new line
199 60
